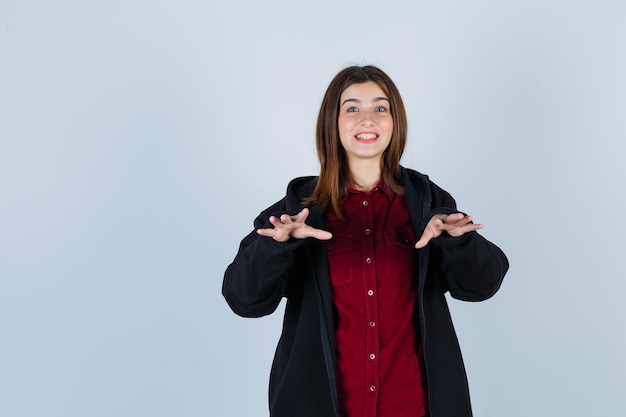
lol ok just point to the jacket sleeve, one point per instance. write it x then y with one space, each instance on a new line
472 266
256 280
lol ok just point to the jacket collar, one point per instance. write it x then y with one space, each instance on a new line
417 196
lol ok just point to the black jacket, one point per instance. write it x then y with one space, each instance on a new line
302 381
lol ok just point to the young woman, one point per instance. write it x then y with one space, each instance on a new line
364 255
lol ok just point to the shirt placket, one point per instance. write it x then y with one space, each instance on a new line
371 305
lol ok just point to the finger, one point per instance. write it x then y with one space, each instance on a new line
302 216
465 220
267 232
319 234
453 219
277 234
453 222
422 242
275 221
424 239
459 231
471 227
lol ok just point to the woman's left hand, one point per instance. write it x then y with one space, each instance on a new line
455 225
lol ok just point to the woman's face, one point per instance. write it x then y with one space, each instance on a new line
365 123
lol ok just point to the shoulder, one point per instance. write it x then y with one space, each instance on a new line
423 186
297 190
416 182
302 184
301 187
414 177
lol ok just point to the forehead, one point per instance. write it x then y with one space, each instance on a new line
363 91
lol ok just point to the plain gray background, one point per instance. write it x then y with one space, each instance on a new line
139 139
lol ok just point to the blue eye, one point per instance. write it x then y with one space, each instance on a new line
352 109
381 109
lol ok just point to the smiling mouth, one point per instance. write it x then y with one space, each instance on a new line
366 136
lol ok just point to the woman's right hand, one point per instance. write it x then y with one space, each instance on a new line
286 227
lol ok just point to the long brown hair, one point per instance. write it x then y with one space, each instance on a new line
334 177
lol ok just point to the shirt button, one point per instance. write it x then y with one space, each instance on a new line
365 203
367 231
372 356
370 293
372 388
372 323
368 260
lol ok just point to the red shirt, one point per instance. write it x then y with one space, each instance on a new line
379 370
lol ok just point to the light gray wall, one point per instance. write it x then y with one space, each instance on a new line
139 139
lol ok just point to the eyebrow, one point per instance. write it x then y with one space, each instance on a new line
354 100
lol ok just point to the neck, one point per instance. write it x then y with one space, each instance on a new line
365 174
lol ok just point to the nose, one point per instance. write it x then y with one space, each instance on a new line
367 119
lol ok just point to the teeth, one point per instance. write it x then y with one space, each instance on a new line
366 136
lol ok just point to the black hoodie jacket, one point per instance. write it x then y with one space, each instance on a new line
302 381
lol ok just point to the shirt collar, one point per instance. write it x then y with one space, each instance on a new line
378 188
